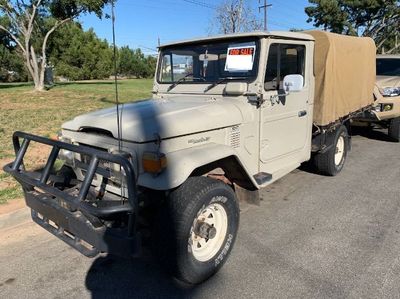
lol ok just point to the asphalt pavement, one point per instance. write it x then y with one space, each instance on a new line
312 237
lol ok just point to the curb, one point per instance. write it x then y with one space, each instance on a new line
15 218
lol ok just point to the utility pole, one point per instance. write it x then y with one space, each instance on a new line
265 7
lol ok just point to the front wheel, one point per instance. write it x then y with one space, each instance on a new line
394 129
197 229
332 161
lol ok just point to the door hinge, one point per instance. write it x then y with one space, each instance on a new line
260 100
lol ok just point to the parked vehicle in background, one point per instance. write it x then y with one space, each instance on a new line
171 171
386 114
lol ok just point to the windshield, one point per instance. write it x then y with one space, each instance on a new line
209 62
388 67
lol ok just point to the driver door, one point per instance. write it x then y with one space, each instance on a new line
284 118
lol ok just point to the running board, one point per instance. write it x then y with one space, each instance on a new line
262 178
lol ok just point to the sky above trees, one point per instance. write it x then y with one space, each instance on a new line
141 22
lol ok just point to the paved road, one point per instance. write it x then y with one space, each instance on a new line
312 237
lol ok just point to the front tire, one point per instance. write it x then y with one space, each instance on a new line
394 129
197 229
332 161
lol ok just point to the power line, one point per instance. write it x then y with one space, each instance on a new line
148 48
200 3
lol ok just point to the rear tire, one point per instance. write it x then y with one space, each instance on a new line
196 229
394 129
332 161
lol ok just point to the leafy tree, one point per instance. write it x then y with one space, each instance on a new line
11 65
235 16
135 63
32 22
79 55
151 63
378 19
126 61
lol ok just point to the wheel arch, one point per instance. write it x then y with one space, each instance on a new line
198 161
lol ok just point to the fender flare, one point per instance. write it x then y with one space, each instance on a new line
182 163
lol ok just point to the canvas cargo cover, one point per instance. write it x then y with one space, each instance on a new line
345 71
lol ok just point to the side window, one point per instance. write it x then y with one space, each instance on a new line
283 60
272 74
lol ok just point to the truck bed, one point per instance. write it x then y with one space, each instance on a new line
345 71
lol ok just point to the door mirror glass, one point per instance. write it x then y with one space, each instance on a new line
293 83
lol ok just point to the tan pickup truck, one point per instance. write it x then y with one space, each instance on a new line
387 93
229 115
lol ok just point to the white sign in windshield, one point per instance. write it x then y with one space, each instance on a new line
240 58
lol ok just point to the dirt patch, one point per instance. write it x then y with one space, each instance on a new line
4 184
5 161
12 206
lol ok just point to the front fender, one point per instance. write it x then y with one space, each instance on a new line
180 164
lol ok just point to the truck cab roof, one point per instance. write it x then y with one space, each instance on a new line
388 56
276 34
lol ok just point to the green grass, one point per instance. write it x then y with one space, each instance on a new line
10 193
43 113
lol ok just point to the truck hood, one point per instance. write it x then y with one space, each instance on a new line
387 81
142 121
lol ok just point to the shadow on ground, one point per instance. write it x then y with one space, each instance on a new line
100 82
113 277
15 85
373 134
370 133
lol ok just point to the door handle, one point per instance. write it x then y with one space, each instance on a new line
302 113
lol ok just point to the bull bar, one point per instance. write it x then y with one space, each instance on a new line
70 216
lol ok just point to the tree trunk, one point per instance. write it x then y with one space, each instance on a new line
34 69
39 86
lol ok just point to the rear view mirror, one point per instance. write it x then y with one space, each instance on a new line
293 83
208 57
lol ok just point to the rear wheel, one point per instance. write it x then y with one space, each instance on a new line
394 129
332 161
197 229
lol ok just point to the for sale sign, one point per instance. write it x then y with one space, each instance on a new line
240 58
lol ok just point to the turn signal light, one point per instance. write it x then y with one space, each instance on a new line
154 162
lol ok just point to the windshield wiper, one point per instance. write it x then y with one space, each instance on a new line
222 80
182 80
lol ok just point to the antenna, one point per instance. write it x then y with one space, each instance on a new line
116 78
119 116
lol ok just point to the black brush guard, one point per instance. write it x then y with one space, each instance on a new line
70 216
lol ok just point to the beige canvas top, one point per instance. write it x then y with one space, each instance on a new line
345 71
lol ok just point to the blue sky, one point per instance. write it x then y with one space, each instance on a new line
139 23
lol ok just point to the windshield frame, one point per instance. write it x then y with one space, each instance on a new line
236 40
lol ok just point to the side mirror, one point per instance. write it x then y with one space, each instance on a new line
293 83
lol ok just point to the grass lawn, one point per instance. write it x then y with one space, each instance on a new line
43 113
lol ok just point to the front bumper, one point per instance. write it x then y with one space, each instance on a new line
367 116
379 116
71 214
